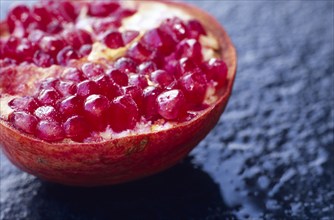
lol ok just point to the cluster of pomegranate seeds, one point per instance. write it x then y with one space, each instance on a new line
46 34
161 77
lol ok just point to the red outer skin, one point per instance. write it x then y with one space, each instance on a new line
123 159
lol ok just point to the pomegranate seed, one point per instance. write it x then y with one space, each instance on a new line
72 105
194 86
73 74
66 88
113 39
124 113
24 121
102 9
105 24
42 16
190 48
85 50
54 27
150 110
47 113
155 38
129 36
76 128
26 50
171 104
49 131
35 36
25 103
86 88
138 80
92 69
77 37
124 12
66 55
126 65
49 83
9 48
216 70
96 109
163 78
175 28
139 52
48 96
42 59
51 45
170 64
19 13
118 77
185 66
67 11
136 94
195 29
107 87
147 68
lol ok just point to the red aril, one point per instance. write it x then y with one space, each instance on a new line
77 37
126 65
107 86
48 97
118 77
171 104
91 70
96 109
138 80
129 36
195 29
147 68
25 103
217 71
163 78
86 88
124 113
72 105
24 121
150 107
113 39
51 45
43 59
47 113
73 74
76 128
49 130
189 48
102 8
66 55
194 86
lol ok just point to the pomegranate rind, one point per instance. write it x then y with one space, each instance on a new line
126 158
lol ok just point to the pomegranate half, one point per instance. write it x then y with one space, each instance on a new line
169 69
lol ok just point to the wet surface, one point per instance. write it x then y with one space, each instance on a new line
270 156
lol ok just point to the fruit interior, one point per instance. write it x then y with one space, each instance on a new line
95 71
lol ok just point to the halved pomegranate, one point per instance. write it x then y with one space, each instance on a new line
100 93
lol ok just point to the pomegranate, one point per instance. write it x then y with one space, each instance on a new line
100 93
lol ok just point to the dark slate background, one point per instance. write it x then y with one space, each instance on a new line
270 156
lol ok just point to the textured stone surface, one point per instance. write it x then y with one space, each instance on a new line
270 156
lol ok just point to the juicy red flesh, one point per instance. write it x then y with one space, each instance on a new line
113 40
161 76
171 104
124 113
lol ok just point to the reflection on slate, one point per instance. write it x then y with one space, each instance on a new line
270 156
